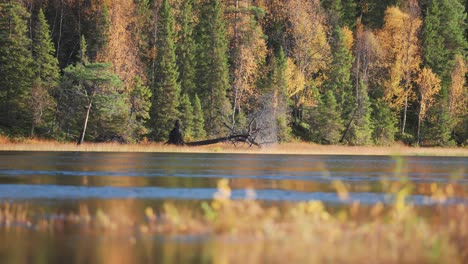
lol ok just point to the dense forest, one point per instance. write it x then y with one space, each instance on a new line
355 72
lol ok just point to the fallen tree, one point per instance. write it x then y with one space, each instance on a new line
249 137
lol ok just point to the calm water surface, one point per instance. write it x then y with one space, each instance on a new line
64 180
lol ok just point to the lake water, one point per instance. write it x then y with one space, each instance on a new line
61 181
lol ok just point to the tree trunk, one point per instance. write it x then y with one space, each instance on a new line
32 130
404 115
176 138
83 132
419 126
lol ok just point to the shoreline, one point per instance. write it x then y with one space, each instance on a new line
227 148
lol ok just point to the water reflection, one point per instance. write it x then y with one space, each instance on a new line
69 175
125 184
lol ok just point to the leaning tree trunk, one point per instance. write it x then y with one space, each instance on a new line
176 138
83 132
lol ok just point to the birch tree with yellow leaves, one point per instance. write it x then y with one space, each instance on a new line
309 48
401 58
428 86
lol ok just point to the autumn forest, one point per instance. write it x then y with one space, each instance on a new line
355 72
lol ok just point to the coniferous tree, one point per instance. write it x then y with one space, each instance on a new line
384 123
16 67
212 66
140 105
46 74
100 34
360 129
339 79
91 101
329 126
186 116
186 49
443 40
435 54
166 92
279 84
198 129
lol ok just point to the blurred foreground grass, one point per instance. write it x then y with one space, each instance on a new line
305 232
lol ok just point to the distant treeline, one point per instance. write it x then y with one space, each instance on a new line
356 72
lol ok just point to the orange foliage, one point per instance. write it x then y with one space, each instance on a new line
458 91
122 51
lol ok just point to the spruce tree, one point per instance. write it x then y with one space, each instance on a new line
100 33
46 74
280 90
186 116
384 123
360 129
186 49
212 66
443 39
198 129
16 67
339 76
166 91
435 54
329 125
140 105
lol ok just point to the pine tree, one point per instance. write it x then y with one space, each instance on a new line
212 66
166 92
186 49
198 120
91 102
16 67
186 117
46 73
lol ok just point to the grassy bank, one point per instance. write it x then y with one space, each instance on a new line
7 144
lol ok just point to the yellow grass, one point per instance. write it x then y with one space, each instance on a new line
286 148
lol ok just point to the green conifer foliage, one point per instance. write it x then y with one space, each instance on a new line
435 53
212 67
339 79
101 37
360 131
164 111
198 129
186 49
329 125
384 124
16 68
280 99
186 117
46 74
93 93
140 105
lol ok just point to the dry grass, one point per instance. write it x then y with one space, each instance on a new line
287 148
